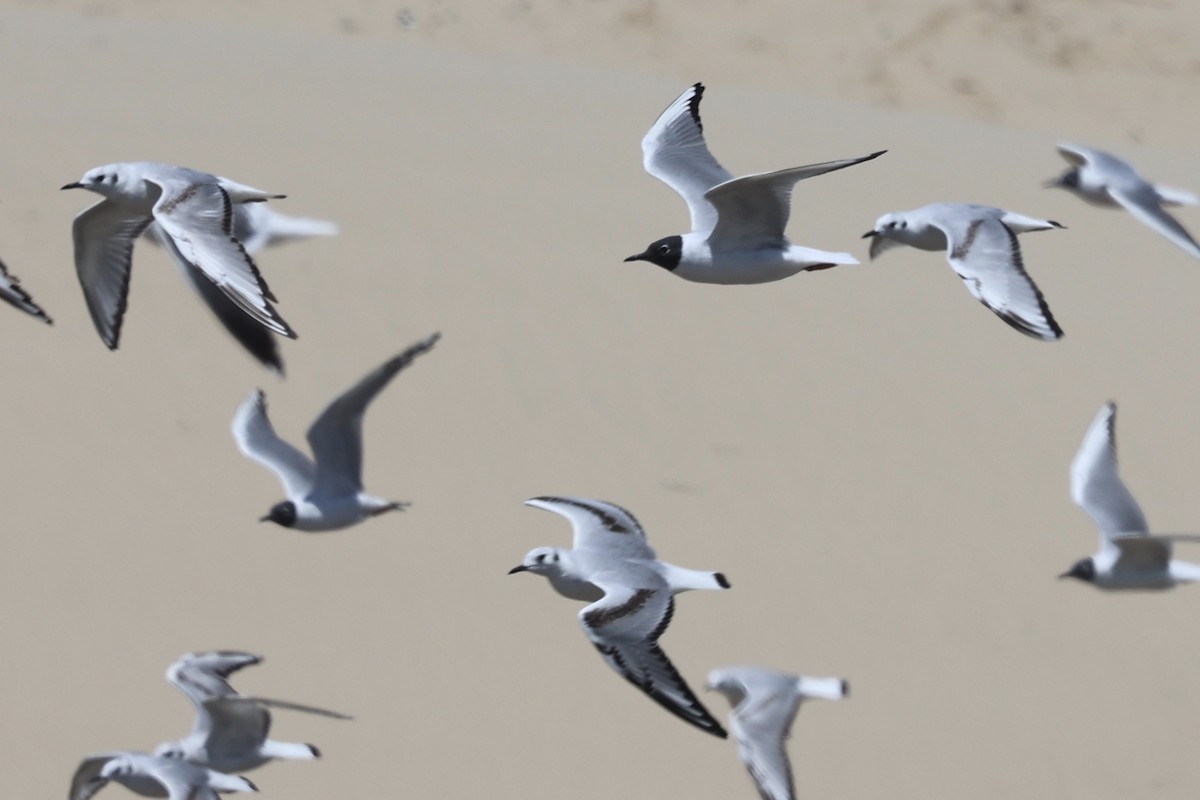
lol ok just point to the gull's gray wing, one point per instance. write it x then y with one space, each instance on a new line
104 235
12 293
336 435
257 340
1145 204
752 211
204 675
198 218
762 724
1096 487
598 525
239 727
1141 553
625 626
985 254
87 781
674 152
257 440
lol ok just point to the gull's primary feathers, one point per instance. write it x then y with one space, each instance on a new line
1102 179
326 494
764 706
981 246
12 293
1129 557
194 212
230 731
153 776
630 595
256 226
738 224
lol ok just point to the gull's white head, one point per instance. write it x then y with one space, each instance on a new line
886 224
540 560
108 180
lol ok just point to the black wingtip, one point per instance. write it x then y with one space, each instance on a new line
694 104
722 581
1057 224
845 688
312 748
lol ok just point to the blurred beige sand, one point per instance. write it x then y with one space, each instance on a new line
878 465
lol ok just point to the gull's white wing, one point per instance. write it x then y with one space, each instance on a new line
12 293
187 781
752 211
625 625
198 218
104 237
1095 485
598 525
257 340
1143 202
257 440
204 675
674 152
985 254
761 724
87 781
336 435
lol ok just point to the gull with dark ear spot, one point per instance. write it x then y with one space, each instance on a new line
230 731
981 246
194 213
765 704
1102 179
152 776
1130 557
738 224
325 494
631 596
256 226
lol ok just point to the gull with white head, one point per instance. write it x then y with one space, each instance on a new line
152 776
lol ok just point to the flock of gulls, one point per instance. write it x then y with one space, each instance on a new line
213 226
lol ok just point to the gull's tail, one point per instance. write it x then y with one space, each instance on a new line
681 580
824 688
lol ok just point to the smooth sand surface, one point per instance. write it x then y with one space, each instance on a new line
876 462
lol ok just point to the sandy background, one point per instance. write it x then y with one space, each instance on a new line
878 465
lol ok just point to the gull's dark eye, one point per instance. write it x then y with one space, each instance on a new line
540 558
662 248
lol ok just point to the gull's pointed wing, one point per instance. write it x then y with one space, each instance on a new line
674 152
625 625
288 705
257 440
761 724
12 293
1143 202
336 435
198 218
1095 485
257 340
104 235
87 781
985 254
239 727
598 525
204 675
752 211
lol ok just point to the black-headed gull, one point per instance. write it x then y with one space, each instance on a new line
195 212
153 776
764 706
325 494
630 595
1129 557
981 246
1102 179
231 729
256 226
738 224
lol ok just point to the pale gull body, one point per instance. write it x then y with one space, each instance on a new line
231 729
738 224
630 596
1102 179
1129 557
765 704
152 776
325 494
195 212
981 246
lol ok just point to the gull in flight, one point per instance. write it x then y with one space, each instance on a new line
1130 557
630 596
194 212
153 776
230 732
12 293
764 706
257 226
738 224
1102 179
981 246
325 494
